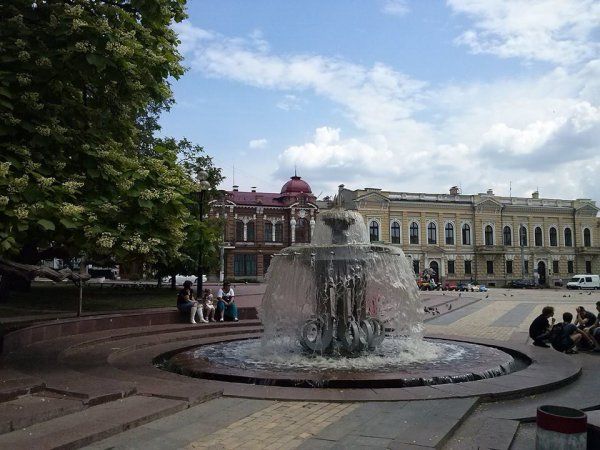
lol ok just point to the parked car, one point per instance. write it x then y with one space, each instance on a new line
584 281
450 286
180 279
522 284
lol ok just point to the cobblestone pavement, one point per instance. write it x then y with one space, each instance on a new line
258 424
502 312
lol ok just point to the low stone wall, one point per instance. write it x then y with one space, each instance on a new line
68 327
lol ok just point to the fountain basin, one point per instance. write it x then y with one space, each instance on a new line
244 361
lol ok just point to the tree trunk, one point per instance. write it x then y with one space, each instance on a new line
174 281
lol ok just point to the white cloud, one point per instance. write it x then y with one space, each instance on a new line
535 130
290 102
558 31
257 143
395 7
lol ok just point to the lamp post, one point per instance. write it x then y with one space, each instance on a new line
202 185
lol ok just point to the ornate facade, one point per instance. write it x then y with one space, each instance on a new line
484 237
260 224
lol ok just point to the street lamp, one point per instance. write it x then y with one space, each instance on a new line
202 186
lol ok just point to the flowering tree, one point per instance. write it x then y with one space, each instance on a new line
77 173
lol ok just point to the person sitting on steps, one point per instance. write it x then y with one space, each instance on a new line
226 307
186 303
565 336
207 301
540 327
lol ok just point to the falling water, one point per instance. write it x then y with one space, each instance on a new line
341 288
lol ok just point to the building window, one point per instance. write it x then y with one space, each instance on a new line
490 267
588 267
570 268
523 236
250 231
449 234
431 233
509 267
414 233
587 238
555 266
526 266
268 232
239 231
374 231
395 232
451 267
466 234
467 267
568 238
507 235
489 235
416 266
538 236
553 237
302 231
279 232
244 265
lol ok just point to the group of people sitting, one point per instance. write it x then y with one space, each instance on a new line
204 308
567 336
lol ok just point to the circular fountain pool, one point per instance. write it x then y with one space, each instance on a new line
396 363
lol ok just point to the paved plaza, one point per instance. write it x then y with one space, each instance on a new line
499 314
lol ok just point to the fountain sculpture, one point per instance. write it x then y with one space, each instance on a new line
339 294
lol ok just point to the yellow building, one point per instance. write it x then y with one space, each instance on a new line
484 237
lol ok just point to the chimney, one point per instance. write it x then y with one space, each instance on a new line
454 190
535 194
253 188
490 192
235 188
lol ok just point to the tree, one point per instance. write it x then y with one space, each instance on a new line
77 78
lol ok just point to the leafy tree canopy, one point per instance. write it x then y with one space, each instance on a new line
77 172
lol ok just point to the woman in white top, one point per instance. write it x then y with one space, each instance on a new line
226 307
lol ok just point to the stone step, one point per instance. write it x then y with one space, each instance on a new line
30 409
90 425
479 432
14 384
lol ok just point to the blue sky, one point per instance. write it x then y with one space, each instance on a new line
397 94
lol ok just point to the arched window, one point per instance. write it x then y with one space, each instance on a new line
466 234
431 233
449 230
239 231
395 232
507 235
489 235
553 237
414 233
302 231
587 237
279 232
523 236
374 231
568 238
250 231
268 232
538 236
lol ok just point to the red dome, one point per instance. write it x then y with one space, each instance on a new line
296 185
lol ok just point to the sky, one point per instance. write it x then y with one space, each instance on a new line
402 95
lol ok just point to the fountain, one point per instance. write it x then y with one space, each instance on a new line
338 295
342 312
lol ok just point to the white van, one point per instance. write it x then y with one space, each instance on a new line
585 281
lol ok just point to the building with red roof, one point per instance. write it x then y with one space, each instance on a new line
260 224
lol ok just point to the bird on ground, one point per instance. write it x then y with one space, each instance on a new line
487 296
449 307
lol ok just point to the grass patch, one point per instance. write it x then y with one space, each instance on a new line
44 298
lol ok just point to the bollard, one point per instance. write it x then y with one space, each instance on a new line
560 428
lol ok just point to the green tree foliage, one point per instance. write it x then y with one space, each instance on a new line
78 174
